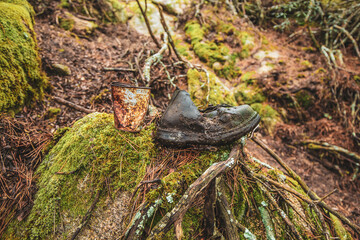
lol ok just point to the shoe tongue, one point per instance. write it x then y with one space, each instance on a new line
180 106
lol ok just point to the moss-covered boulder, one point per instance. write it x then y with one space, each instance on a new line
90 157
21 79
88 177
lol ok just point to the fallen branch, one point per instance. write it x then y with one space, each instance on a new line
136 228
120 69
226 220
329 147
194 191
72 105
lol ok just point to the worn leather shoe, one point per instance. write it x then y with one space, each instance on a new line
183 125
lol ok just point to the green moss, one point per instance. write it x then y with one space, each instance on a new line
212 53
92 151
21 78
182 48
357 78
199 89
306 65
308 49
301 75
194 32
269 116
248 94
247 43
66 24
116 11
226 28
304 98
52 113
64 4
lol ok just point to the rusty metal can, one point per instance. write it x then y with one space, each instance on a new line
130 104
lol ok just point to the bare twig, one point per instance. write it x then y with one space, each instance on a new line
163 23
120 69
148 24
72 105
356 47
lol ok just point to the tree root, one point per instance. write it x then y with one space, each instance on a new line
333 148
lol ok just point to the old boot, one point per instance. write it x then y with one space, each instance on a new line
184 125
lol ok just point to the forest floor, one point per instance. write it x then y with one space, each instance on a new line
118 45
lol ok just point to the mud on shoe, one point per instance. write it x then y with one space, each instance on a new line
183 125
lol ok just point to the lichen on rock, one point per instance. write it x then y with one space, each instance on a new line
20 73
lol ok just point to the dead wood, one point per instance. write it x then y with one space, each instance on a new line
72 105
225 219
209 211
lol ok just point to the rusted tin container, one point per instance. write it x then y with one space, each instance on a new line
130 105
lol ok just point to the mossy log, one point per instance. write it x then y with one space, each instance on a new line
21 79
86 180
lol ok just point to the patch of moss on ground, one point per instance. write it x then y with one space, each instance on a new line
248 94
304 98
21 78
247 43
90 152
269 116
204 93
210 52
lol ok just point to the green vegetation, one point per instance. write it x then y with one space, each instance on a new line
269 116
94 151
20 71
204 91
215 54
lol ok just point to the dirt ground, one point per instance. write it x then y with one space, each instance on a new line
119 46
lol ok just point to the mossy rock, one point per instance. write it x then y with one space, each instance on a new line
72 23
94 159
112 11
91 153
204 91
20 66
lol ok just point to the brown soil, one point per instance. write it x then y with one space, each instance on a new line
119 46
